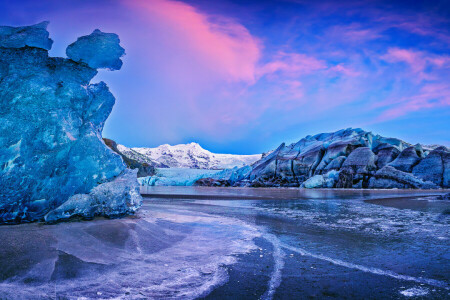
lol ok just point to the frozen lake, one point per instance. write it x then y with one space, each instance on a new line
197 242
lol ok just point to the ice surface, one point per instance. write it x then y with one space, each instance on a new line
162 254
233 175
112 199
415 292
176 177
311 243
51 120
322 181
97 50
31 36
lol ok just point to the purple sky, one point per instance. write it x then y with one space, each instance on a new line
244 76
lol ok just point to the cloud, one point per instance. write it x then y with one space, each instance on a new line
423 24
292 65
343 69
424 65
222 45
353 33
429 96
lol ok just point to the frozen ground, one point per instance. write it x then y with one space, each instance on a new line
193 242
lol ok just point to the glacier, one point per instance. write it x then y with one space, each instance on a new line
175 177
190 177
53 162
348 158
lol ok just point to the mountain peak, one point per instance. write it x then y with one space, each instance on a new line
193 156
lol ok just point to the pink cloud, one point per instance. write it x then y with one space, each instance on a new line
430 96
341 68
420 24
418 62
354 33
292 64
226 47
413 58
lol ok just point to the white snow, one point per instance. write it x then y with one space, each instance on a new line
414 292
194 156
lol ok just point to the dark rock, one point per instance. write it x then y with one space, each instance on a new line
360 161
406 160
211 182
435 167
144 169
386 153
444 197
345 179
388 177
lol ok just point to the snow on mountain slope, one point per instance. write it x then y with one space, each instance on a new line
189 156
132 154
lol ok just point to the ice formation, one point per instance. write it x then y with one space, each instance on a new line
97 50
348 158
53 162
176 177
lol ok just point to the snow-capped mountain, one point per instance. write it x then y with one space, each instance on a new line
187 156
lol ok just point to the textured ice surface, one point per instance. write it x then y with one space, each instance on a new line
233 175
112 199
293 248
97 50
51 120
31 36
327 180
415 292
176 177
358 155
164 253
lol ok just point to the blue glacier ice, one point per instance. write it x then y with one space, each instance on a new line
176 177
189 177
31 36
97 50
348 158
233 175
53 162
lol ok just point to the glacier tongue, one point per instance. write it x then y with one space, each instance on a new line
51 120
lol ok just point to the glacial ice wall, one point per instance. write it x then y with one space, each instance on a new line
53 162
348 158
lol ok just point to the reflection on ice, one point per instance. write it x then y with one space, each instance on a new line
159 254
183 246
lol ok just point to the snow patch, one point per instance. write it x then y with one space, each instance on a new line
414 292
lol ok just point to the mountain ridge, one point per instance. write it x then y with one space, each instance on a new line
190 155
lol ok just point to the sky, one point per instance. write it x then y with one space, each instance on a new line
244 76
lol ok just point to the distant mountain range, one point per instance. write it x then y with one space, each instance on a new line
191 156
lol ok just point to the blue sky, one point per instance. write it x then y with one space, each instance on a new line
244 76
